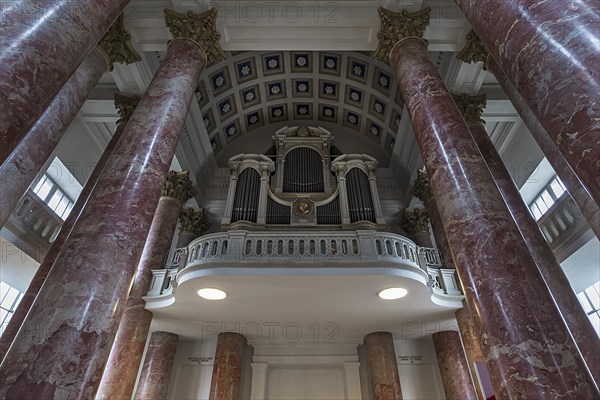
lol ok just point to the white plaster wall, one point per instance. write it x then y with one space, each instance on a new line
307 383
192 370
418 368
16 267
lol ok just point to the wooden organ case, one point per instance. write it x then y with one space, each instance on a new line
301 187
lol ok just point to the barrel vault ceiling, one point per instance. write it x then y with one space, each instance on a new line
315 70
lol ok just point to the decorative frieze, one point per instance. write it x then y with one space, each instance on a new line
396 26
193 221
201 28
474 50
116 45
471 107
178 186
125 106
421 188
415 220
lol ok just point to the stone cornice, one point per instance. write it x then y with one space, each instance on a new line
415 220
471 107
201 28
178 186
125 106
116 45
193 221
421 188
474 50
396 26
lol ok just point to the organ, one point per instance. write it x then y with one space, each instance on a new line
302 186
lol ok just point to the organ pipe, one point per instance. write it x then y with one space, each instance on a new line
360 201
245 203
303 171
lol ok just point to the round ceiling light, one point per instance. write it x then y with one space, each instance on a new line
393 293
212 294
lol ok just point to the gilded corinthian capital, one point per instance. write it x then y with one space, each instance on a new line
415 220
178 186
125 106
421 188
471 107
193 221
396 26
201 28
116 45
474 50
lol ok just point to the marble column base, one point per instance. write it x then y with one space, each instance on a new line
470 339
126 354
383 367
227 370
453 366
156 372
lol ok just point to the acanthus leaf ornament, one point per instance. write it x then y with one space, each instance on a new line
415 220
396 26
421 188
474 50
116 45
178 186
201 28
125 106
471 107
193 221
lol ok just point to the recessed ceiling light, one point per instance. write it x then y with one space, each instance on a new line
212 294
393 293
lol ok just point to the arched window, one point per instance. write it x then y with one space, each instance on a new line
247 192
360 201
303 171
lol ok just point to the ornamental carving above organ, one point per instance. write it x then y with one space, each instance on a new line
302 186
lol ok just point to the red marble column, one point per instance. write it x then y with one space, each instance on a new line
563 295
549 51
76 314
588 206
43 43
125 105
383 367
156 372
470 340
27 159
416 225
453 366
422 191
227 370
127 350
501 280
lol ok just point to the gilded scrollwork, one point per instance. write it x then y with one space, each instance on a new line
396 26
179 186
125 106
474 50
116 45
201 28
471 107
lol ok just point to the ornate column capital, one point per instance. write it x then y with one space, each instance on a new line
421 188
471 107
125 106
201 28
415 220
474 50
193 221
396 26
178 186
116 45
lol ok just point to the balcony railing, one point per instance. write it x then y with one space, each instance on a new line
563 225
34 226
304 250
